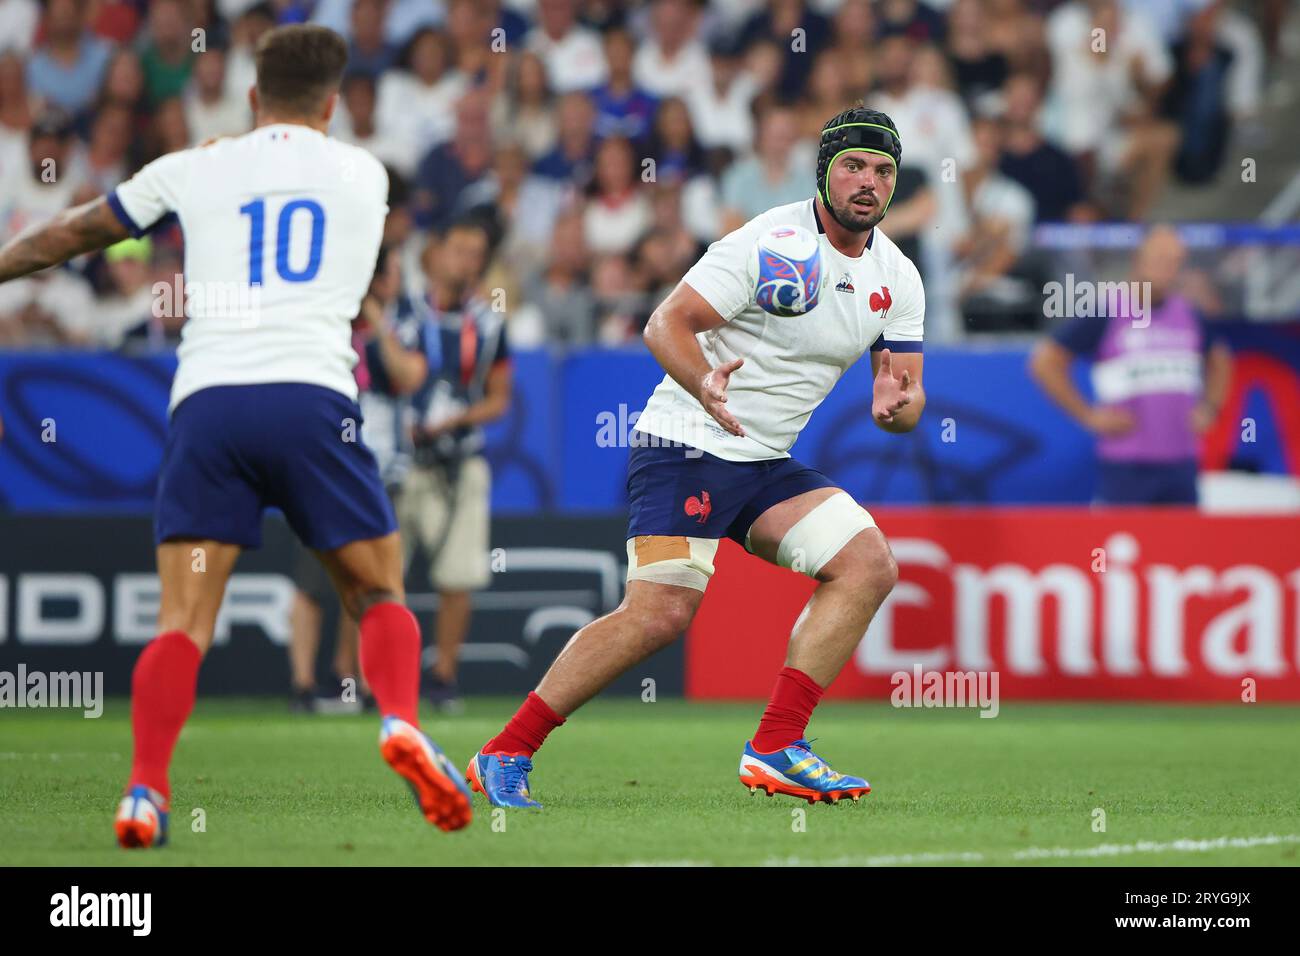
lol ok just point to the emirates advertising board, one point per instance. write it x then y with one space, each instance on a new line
1120 604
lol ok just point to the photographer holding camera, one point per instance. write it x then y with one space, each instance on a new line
443 506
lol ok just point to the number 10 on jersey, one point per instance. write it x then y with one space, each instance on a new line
256 212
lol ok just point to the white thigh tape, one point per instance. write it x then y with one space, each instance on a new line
820 534
671 559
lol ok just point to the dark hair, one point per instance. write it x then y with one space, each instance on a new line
359 78
406 58
298 66
53 122
479 219
399 190
632 166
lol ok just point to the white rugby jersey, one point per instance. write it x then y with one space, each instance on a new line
282 226
791 364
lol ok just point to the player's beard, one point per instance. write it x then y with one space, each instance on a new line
848 216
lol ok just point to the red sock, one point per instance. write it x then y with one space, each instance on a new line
788 712
162 696
390 659
527 729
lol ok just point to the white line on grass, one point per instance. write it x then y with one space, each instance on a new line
16 755
1148 846
1052 853
1185 845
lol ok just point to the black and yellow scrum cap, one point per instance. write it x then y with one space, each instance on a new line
856 130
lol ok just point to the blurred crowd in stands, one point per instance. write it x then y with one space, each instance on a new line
606 144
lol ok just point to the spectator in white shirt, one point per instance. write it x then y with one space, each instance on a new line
573 54
18 20
416 101
917 94
722 109
1001 215
46 183
524 109
526 205
212 108
618 212
672 61
1109 69
245 31
932 123
52 308
355 123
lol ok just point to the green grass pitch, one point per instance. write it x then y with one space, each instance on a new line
631 782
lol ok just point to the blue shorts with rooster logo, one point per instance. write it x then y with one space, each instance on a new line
685 491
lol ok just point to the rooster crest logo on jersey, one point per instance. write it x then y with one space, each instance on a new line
789 270
699 506
881 301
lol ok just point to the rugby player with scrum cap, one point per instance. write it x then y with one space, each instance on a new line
741 382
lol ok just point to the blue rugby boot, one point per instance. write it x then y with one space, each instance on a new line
502 778
798 772
141 819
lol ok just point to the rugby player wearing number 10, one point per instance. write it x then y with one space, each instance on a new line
741 383
263 406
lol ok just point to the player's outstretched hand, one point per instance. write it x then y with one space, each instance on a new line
889 393
713 396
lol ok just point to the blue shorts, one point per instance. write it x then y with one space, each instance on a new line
1147 483
234 450
684 491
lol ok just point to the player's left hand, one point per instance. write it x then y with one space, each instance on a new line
890 393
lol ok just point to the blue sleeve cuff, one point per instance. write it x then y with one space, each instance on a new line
883 343
122 215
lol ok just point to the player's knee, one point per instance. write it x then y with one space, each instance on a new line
884 574
675 616
865 563
667 617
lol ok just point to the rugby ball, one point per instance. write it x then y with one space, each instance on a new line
787 261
